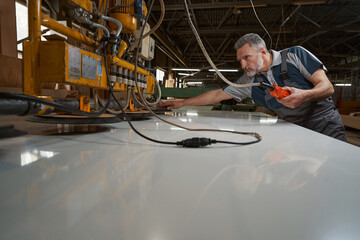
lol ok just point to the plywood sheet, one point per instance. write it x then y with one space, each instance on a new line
10 72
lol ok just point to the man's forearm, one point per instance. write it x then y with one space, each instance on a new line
210 97
318 93
322 87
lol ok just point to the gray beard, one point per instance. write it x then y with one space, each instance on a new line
260 63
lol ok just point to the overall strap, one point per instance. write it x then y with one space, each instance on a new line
284 69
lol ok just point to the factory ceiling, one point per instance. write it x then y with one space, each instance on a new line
328 28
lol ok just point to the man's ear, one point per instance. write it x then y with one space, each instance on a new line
263 50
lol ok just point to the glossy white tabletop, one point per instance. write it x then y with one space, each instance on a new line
295 184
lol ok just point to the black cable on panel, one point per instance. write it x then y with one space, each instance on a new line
191 142
122 109
53 104
194 142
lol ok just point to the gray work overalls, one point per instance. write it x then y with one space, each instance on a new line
320 116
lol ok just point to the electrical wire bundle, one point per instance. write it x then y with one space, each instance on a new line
191 142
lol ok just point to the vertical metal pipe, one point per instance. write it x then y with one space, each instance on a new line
34 10
31 50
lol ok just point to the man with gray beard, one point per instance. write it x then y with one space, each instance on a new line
295 69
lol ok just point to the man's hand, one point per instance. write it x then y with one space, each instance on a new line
172 104
210 97
295 99
322 89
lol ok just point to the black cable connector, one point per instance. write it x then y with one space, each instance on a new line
196 142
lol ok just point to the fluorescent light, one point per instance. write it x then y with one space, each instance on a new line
185 69
185 74
193 83
225 70
343 84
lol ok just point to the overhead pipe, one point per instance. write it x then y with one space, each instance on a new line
54 25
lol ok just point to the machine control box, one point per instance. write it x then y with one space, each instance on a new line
64 63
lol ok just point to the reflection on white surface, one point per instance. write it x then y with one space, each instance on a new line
268 120
30 157
342 233
176 128
293 185
288 169
82 200
227 129
279 168
185 119
192 113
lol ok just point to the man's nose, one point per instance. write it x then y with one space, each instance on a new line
243 64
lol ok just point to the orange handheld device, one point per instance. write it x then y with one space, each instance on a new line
275 90
279 92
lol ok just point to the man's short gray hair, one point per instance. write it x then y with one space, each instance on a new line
253 39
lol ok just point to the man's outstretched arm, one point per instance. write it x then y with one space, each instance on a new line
209 97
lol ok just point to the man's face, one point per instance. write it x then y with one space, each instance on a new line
250 59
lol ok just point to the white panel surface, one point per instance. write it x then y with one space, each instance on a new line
295 184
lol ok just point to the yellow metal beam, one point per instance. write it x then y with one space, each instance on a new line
54 25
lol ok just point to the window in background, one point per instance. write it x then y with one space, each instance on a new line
160 75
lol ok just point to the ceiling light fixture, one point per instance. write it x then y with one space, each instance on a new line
225 70
343 84
194 83
186 69
185 74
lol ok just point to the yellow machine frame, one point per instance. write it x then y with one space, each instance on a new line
125 15
86 4
48 61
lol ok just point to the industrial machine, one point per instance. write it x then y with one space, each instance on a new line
99 50
93 52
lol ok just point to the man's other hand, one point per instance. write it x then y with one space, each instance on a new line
295 99
172 104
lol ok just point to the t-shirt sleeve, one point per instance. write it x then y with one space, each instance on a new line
305 61
239 93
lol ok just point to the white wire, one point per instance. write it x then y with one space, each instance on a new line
254 134
162 5
159 93
208 57
261 24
